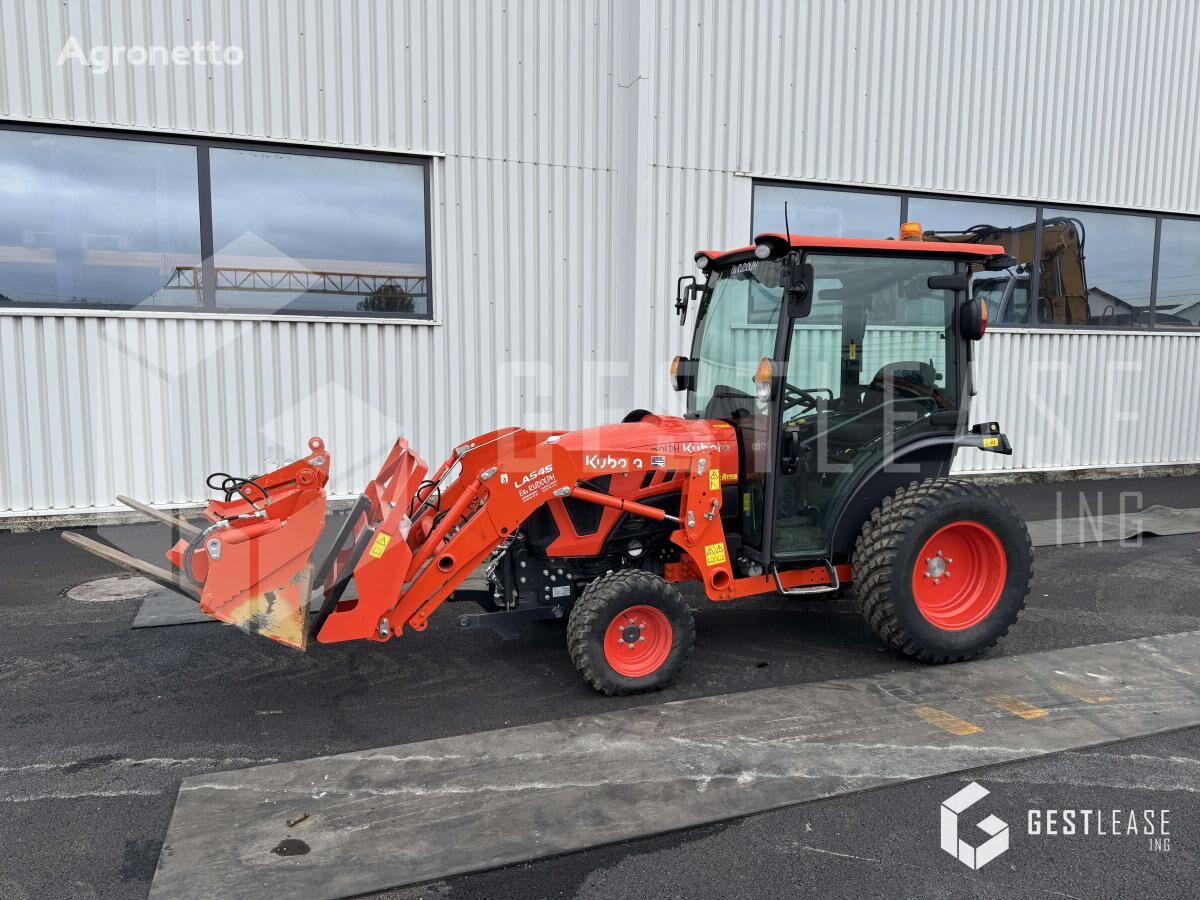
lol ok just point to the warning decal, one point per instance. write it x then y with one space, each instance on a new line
379 545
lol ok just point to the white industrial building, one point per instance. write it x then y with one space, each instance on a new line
225 227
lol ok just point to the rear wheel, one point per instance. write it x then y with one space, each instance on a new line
942 569
630 632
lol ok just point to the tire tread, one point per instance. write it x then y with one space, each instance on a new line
876 548
588 618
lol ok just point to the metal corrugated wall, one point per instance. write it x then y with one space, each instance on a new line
1081 101
582 152
1088 400
517 104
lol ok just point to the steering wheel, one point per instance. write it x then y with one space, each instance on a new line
794 396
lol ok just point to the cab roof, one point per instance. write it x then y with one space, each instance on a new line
874 245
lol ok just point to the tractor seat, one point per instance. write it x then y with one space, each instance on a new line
896 381
907 379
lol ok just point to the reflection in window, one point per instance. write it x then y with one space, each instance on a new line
1011 226
1178 297
825 212
900 316
301 233
1096 268
96 221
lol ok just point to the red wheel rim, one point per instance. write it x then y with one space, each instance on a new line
637 641
959 575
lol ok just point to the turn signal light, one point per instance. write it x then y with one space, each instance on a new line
764 379
910 231
682 372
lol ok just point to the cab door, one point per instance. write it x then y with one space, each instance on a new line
871 367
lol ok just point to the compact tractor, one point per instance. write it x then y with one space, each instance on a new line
828 387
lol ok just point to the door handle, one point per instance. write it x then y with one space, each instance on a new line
789 452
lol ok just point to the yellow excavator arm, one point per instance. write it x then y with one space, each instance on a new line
1062 283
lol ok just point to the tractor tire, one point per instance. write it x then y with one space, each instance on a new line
630 632
942 569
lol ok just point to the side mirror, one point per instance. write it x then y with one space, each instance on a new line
972 319
959 281
683 293
797 280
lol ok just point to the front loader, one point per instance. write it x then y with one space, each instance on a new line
828 388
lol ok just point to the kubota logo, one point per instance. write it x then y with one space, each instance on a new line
967 854
594 461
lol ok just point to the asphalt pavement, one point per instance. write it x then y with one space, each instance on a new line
99 723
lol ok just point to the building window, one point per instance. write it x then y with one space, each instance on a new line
189 225
1012 227
1074 267
1177 300
302 233
1096 268
824 211
88 221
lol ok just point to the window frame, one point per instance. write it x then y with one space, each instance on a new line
1038 206
208 307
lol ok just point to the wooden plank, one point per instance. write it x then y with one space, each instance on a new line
183 525
172 580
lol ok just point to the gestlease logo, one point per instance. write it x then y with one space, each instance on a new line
968 854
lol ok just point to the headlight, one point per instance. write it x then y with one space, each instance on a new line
762 251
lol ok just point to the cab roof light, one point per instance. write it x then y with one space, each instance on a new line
911 231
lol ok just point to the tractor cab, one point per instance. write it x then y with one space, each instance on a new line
844 368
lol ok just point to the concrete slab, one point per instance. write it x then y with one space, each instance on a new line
162 606
357 822
1153 520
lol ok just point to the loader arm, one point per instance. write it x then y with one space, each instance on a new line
414 540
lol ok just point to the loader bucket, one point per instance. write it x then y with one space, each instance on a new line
251 565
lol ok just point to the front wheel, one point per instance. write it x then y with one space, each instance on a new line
942 569
630 632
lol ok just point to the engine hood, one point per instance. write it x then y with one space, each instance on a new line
669 434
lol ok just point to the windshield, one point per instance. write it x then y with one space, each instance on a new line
736 329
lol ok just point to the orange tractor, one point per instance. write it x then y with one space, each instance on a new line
790 473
